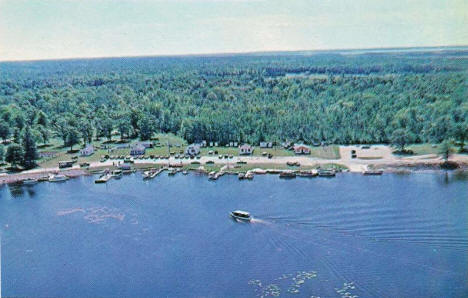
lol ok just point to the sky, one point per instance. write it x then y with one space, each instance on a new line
49 29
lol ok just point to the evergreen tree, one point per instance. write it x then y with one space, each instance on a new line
29 149
14 154
44 134
42 119
4 131
2 153
17 134
445 149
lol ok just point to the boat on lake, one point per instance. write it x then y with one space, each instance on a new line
307 174
287 175
326 173
372 172
104 178
151 173
29 181
117 174
172 172
185 172
43 179
241 215
57 178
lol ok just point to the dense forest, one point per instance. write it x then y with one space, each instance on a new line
339 97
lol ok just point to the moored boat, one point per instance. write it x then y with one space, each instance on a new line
43 179
249 175
326 173
103 179
117 174
307 174
372 172
57 178
241 215
29 181
287 175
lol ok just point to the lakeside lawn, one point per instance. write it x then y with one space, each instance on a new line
177 146
422 149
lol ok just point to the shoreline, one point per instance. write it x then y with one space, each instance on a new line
275 165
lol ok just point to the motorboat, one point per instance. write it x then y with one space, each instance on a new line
241 215
307 174
151 174
29 181
57 178
372 172
185 172
104 178
287 175
326 173
117 174
43 179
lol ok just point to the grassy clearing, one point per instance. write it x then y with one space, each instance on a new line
327 152
422 149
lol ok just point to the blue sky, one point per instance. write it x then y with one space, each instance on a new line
45 29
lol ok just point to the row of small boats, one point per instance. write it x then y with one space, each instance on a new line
48 178
313 173
106 176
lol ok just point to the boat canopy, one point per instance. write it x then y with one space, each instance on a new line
241 213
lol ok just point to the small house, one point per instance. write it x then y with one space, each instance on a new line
87 150
211 144
193 149
301 149
266 145
216 144
146 144
138 149
235 144
203 144
245 149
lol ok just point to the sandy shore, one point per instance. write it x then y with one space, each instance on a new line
379 156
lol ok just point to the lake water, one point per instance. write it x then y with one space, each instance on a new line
370 236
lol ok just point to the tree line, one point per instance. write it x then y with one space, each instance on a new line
338 98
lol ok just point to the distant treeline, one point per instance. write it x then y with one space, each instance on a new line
334 97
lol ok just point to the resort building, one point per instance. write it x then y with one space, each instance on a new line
146 144
301 149
266 145
245 149
87 151
193 149
138 149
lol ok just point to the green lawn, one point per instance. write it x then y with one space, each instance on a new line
328 152
178 145
422 149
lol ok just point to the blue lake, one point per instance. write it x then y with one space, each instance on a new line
370 236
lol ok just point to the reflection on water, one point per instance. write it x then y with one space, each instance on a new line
387 236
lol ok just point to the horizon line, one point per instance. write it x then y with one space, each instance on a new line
213 54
